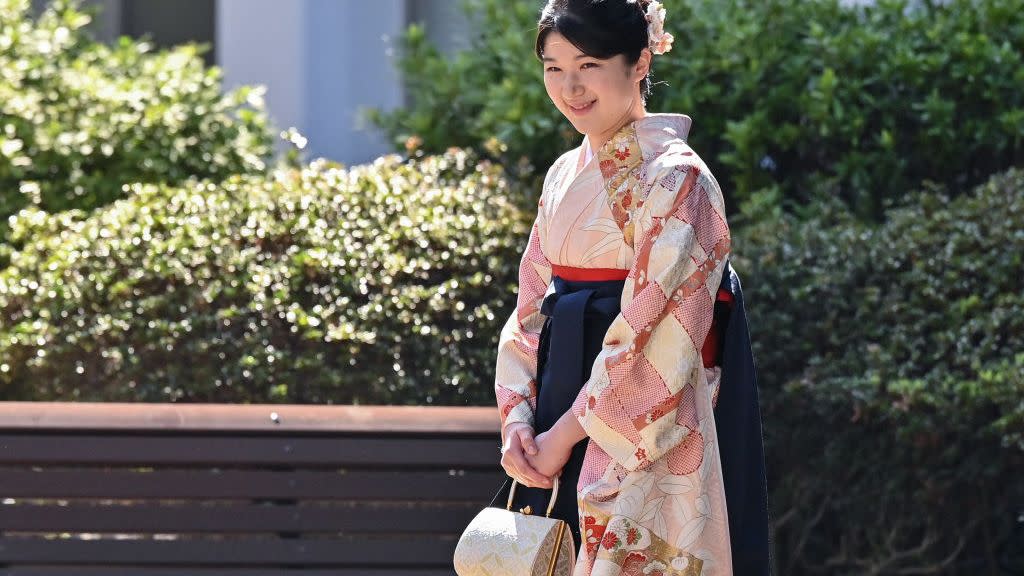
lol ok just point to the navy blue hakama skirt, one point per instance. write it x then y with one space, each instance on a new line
578 316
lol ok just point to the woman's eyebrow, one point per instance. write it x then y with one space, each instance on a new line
577 57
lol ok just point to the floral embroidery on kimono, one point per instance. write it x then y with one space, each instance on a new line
650 495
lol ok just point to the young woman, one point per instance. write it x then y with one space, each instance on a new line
602 358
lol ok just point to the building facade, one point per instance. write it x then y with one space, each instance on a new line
323 62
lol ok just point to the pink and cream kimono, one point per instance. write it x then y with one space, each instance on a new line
650 492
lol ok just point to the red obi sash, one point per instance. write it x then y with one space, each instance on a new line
711 344
588 274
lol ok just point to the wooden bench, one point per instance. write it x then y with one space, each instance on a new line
241 490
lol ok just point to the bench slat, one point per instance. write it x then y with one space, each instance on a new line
463 485
191 450
247 518
225 571
351 552
128 417
153 571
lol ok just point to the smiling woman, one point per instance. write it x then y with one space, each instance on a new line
606 357
596 64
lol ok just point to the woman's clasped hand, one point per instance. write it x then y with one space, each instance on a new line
519 446
532 461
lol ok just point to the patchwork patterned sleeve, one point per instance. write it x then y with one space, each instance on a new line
515 377
639 401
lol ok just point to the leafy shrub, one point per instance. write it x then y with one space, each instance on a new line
385 283
892 366
789 97
79 119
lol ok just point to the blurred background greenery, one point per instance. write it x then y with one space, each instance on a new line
153 248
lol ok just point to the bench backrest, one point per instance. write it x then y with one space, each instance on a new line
162 489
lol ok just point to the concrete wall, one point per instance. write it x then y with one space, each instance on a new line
322 61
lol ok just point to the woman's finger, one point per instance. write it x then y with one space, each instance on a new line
508 461
527 472
526 440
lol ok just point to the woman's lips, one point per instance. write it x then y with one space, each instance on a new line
579 111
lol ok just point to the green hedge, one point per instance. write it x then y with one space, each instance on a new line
78 119
385 283
892 366
795 97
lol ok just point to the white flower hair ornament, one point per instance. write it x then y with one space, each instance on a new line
658 40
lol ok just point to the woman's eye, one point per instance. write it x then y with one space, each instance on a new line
584 66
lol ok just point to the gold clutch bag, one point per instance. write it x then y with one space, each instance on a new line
508 543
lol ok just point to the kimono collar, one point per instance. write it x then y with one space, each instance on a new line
648 135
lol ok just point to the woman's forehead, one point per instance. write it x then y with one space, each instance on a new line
558 46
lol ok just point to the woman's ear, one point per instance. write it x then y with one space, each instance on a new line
643 65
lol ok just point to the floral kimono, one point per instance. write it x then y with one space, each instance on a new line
650 494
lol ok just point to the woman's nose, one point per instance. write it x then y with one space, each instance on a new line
571 85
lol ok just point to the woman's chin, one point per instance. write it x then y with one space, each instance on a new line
579 124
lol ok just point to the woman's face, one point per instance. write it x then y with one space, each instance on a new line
597 96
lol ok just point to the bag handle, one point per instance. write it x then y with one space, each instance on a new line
551 503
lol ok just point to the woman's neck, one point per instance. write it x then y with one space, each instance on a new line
599 140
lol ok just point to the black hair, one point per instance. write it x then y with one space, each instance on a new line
599 28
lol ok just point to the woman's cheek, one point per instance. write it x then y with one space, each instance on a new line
551 93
